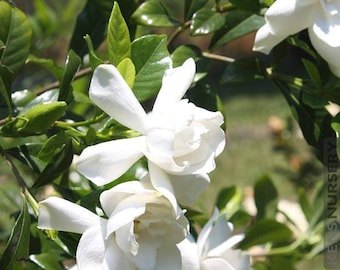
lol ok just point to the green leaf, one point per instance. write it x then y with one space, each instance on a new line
18 245
15 34
52 146
184 52
264 231
229 200
313 72
128 71
151 58
191 6
251 5
72 65
265 195
35 121
315 123
118 37
206 21
91 21
236 28
94 59
243 70
61 162
47 261
153 13
47 64
5 95
304 203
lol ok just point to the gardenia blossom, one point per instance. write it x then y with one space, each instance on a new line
176 136
287 17
141 231
213 249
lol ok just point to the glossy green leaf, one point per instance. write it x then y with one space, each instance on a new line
151 58
237 28
94 59
191 6
61 162
92 21
46 97
183 53
118 37
18 245
128 71
15 34
153 13
71 67
266 197
206 21
264 231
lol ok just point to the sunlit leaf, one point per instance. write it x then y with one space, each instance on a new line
206 21
191 6
151 58
153 13
118 37
128 71
94 59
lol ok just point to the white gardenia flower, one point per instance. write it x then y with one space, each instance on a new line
141 231
213 249
176 136
287 17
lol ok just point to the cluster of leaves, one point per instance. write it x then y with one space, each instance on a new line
44 127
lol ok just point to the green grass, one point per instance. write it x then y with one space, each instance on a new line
250 151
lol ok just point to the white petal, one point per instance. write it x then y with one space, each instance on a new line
189 252
109 199
115 258
111 93
126 211
265 41
105 162
161 182
91 249
175 83
238 259
160 149
145 259
225 246
217 264
324 35
287 17
126 239
61 215
220 232
168 258
188 187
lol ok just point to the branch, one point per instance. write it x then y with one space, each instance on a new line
218 57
